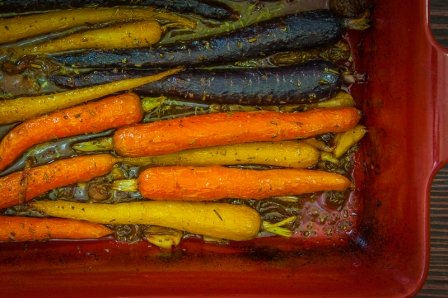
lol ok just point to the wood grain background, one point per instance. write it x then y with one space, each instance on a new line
437 283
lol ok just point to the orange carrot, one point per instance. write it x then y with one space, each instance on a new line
229 128
110 112
213 183
15 228
22 186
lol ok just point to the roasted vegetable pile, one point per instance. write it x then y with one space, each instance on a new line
224 120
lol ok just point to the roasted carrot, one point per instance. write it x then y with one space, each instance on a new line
229 128
110 112
214 183
15 228
20 27
22 186
128 35
218 220
23 108
290 154
344 141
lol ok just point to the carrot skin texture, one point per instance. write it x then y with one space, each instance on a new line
217 129
218 220
110 112
214 183
28 184
17 228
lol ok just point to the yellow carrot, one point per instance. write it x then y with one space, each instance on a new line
129 35
291 154
344 141
20 27
218 220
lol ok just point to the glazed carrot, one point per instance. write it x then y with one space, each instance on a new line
344 141
219 220
214 183
229 128
129 35
22 108
15 228
20 27
290 154
22 186
110 112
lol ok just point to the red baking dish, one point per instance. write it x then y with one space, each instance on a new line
405 105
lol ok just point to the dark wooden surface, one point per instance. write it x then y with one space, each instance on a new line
437 282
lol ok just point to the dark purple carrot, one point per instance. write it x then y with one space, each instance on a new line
298 31
296 84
